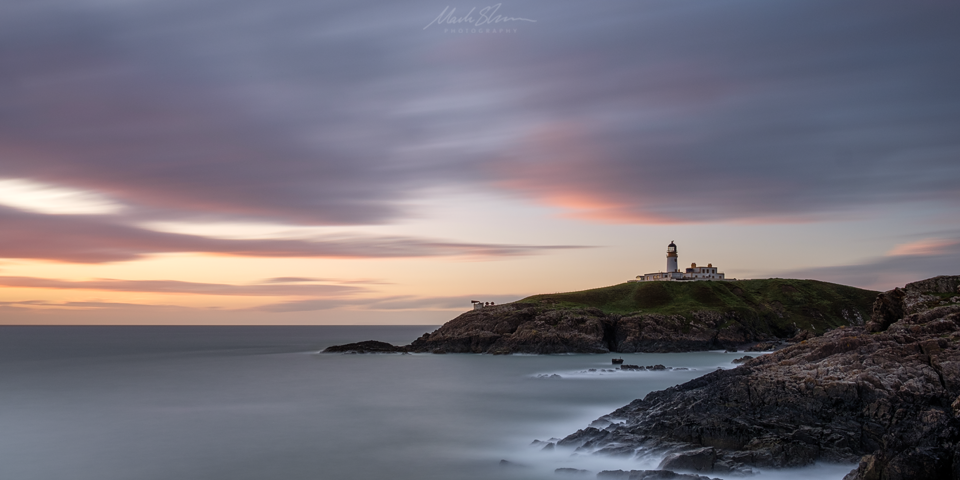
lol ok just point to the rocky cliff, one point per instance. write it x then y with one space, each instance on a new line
653 317
886 395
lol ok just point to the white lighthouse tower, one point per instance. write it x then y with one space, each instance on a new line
672 258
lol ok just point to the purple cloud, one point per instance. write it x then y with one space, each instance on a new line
679 112
174 286
89 239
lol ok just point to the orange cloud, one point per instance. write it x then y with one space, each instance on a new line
927 246
179 287
560 166
94 239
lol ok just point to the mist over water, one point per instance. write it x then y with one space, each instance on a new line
241 403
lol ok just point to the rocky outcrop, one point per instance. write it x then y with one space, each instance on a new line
527 328
648 475
889 400
522 328
369 346
653 317
942 284
912 298
705 330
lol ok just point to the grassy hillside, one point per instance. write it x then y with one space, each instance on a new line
782 304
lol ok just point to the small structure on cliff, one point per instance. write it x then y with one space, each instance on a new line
478 305
673 273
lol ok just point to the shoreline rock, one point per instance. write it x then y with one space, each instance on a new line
885 398
648 475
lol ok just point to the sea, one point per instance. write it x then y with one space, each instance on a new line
257 403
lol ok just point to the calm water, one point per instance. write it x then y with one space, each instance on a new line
158 403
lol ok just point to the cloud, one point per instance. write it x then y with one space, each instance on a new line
36 197
328 298
174 286
914 261
93 239
925 247
747 111
400 302
43 304
363 281
739 112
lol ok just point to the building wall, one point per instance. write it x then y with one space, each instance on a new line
677 276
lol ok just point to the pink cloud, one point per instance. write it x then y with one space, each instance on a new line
927 246
178 287
93 239
560 166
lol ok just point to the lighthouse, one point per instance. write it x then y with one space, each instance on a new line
673 273
672 258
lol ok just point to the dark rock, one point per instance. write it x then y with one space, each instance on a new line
698 460
801 336
742 359
648 475
521 328
630 367
913 298
890 399
888 308
941 284
509 464
657 367
677 333
369 346
571 472
763 347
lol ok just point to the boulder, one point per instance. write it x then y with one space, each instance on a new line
742 359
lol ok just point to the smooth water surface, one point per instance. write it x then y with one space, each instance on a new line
238 403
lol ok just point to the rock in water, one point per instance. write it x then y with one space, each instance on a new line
369 346
648 475
762 347
889 399
574 472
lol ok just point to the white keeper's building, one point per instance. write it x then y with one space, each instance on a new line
673 273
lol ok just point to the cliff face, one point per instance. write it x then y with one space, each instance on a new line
524 328
887 394
521 328
653 317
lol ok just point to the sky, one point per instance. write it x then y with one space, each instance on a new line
386 162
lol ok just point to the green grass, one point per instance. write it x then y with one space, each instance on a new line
776 303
